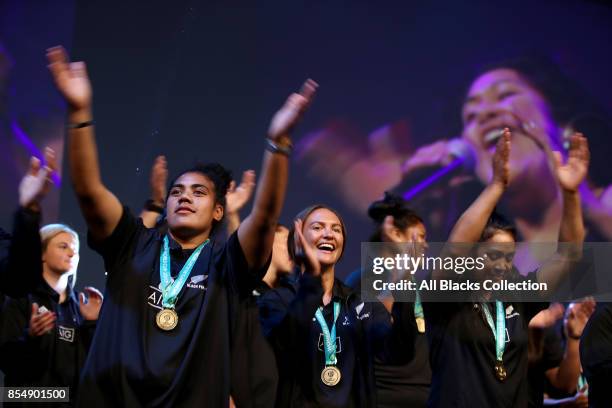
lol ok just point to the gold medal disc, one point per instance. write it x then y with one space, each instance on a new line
500 371
420 322
330 376
166 319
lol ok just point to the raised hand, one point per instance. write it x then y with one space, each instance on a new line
547 317
304 252
70 79
576 317
37 182
90 309
41 321
571 174
501 158
159 179
237 197
288 116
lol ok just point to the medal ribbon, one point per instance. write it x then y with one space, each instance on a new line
499 330
418 306
329 339
170 288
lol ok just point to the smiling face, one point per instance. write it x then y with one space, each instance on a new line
61 254
323 230
191 206
502 98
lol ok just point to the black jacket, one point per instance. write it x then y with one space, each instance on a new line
53 359
287 313
20 270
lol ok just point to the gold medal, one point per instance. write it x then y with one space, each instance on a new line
330 376
420 322
500 371
166 319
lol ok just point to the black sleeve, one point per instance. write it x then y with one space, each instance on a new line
287 321
117 247
241 278
22 270
21 356
393 334
87 330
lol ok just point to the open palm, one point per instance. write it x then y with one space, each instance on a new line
70 78
288 116
574 171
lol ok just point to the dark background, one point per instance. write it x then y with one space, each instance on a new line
199 80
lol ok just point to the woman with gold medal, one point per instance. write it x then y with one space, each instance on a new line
478 349
397 224
324 337
163 337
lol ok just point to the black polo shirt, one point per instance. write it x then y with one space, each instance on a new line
462 354
400 384
53 359
134 363
339 395
546 353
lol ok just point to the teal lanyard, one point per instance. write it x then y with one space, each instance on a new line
499 329
418 306
329 339
171 288
581 383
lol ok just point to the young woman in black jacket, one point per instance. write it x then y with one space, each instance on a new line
324 337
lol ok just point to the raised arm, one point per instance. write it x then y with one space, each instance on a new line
101 209
236 198
154 206
571 231
472 222
256 233
22 270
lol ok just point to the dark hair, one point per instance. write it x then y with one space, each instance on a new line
220 177
570 105
302 215
497 222
395 206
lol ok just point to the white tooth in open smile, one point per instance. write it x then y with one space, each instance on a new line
326 247
493 135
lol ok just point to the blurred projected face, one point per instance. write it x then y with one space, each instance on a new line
502 98
323 230
61 255
280 254
498 253
191 206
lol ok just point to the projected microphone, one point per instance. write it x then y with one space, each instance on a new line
462 160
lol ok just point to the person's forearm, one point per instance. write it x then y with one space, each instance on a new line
572 224
83 155
569 368
471 224
270 193
256 233
232 223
